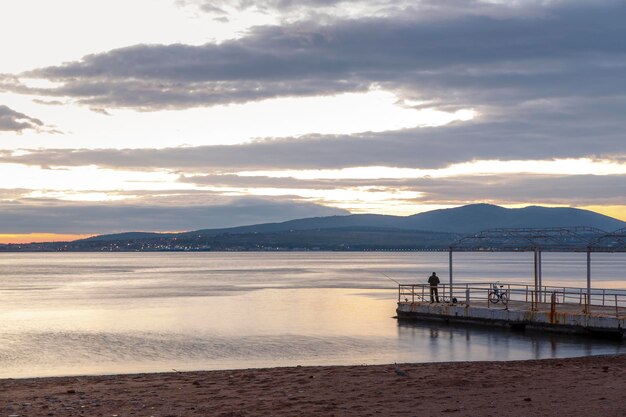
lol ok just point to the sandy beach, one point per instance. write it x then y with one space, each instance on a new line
589 386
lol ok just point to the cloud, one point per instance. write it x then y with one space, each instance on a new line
543 91
191 210
574 190
521 188
53 216
13 121
574 134
100 111
463 60
298 10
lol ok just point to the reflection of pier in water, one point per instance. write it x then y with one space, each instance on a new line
462 342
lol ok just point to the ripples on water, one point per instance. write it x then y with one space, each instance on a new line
134 312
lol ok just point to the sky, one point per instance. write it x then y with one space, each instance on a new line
172 115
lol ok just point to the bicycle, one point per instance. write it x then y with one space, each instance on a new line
497 294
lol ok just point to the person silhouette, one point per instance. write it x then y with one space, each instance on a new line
433 280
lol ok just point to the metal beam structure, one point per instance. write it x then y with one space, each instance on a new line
610 242
538 240
550 239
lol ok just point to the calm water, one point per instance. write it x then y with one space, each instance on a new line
92 313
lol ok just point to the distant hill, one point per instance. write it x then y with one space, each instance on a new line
467 219
126 236
460 220
345 239
433 230
476 217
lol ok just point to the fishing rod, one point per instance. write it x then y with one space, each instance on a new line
390 278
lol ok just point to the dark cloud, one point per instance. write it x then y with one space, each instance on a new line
61 217
575 190
13 121
100 110
568 49
572 135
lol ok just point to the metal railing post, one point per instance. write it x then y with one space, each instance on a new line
450 270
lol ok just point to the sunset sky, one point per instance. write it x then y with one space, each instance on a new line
171 115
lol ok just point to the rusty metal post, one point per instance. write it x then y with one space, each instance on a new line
616 307
603 294
467 294
399 292
552 307
412 294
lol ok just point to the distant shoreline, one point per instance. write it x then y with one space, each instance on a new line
2 250
584 386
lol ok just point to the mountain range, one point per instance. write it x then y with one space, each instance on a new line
435 229
461 220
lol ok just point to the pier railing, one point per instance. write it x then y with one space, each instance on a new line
611 302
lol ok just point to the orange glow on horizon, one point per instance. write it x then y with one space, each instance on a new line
18 238
618 212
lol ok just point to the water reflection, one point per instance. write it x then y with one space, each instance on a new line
86 313
440 341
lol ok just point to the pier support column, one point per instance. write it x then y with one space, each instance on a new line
588 281
450 272
536 274
539 274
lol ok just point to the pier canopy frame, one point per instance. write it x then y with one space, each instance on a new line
550 239
610 242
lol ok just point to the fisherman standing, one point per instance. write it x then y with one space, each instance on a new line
433 280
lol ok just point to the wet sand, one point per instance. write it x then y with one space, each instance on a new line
590 386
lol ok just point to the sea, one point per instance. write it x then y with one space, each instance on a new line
108 313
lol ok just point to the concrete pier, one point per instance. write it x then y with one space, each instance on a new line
581 318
